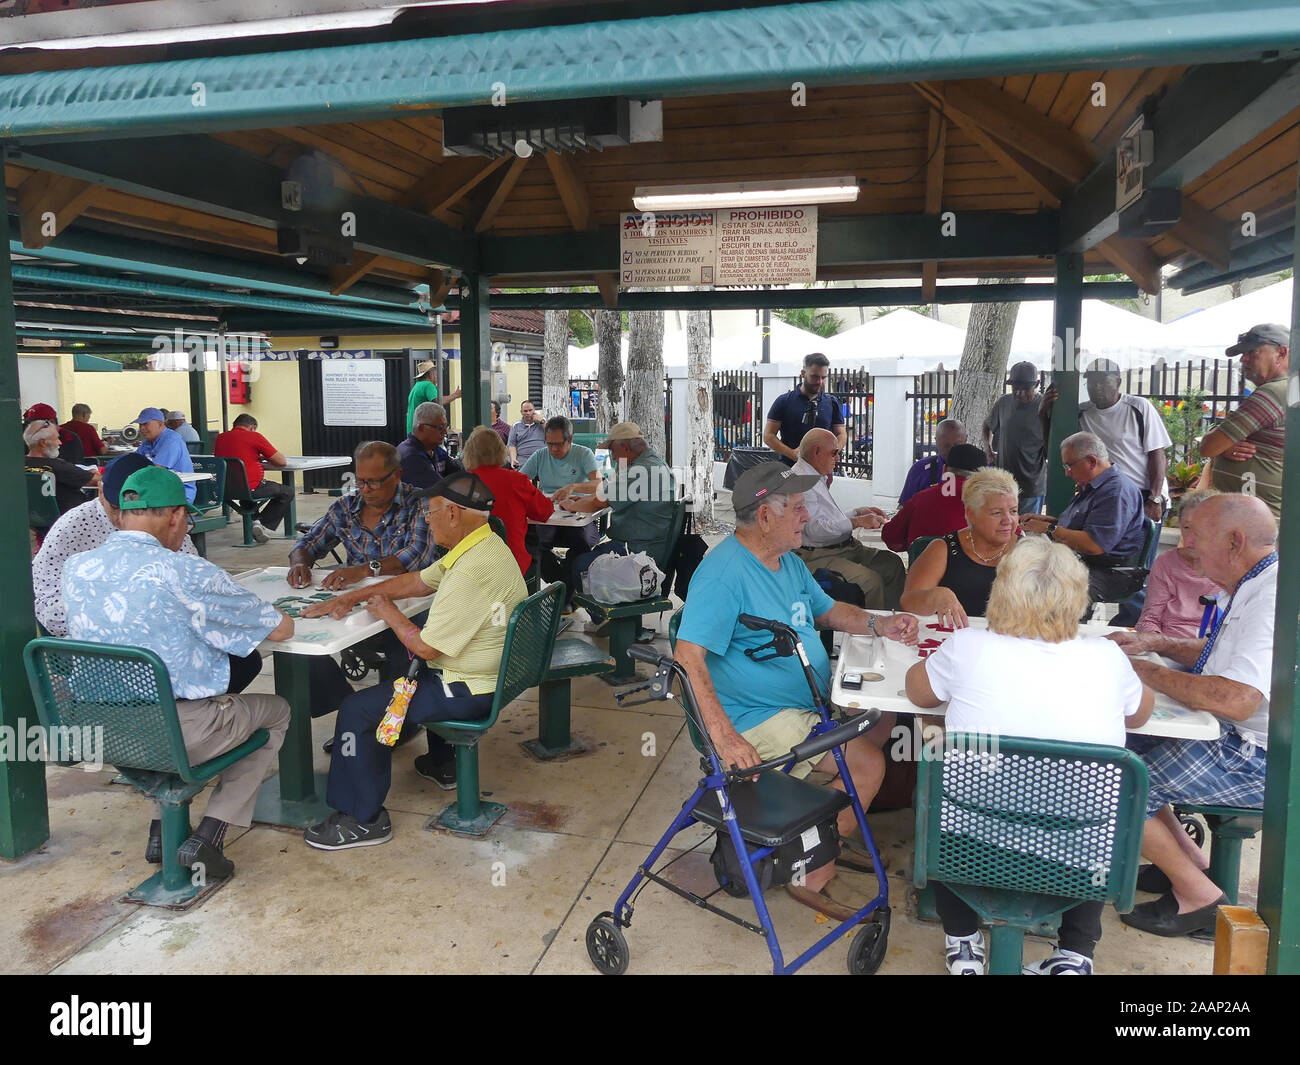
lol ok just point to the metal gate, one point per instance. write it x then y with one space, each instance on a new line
737 410
321 439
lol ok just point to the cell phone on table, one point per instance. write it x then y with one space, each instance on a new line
851 680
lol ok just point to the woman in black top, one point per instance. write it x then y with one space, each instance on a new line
953 576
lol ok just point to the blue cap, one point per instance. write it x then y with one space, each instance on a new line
118 471
151 414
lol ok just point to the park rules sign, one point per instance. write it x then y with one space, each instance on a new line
731 246
352 392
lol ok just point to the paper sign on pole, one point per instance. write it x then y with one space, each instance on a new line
353 393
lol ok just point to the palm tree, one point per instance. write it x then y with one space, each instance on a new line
823 323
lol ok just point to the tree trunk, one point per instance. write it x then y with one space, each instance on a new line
982 374
699 406
555 362
645 375
609 371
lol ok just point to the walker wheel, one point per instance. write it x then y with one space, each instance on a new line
867 950
1193 827
606 947
354 666
735 888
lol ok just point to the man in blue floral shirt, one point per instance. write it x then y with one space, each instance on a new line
137 589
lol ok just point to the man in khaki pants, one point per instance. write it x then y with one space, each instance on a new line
137 589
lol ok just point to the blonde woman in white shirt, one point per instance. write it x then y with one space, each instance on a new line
997 681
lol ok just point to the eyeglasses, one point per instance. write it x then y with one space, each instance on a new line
366 482
1074 462
556 443
430 425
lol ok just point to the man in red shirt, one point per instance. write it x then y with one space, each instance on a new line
81 428
245 443
937 510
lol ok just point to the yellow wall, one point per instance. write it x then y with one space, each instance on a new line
116 398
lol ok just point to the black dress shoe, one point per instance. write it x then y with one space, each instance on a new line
153 849
1162 918
198 851
1152 880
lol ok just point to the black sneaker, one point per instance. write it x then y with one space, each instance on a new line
441 773
197 851
340 832
153 849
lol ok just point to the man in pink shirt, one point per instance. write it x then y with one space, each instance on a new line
1175 586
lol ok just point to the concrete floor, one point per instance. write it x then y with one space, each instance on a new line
518 901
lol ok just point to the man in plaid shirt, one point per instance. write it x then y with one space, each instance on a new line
382 526
1246 447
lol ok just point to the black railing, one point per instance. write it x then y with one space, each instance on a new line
737 412
1165 385
582 404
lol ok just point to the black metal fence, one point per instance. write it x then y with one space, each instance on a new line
582 404
853 390
737 412
1165 385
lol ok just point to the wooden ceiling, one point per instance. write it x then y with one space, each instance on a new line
1001 144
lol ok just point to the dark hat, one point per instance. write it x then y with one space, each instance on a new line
463 489
116 473
1266 333
1024 373
965 457
767 479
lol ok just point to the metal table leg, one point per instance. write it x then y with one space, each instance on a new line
295 797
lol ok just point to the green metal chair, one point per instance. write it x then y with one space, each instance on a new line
1229 826
1022 830
123 697
530 638
42 505
588 439
208 497
918 545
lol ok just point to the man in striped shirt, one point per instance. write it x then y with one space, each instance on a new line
1247 446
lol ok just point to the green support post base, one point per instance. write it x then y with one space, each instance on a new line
1006 950
1226 835
554 740
174 886
153 892
274 808
450 820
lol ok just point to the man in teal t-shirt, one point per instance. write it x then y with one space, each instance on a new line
756 711
424 391
563 469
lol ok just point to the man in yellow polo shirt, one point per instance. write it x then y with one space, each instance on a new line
476 587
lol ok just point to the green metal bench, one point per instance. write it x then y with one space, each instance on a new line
570 658
1229 825
124 695
988 810
623 620
918 545
208 497
530 636
238 497
589 440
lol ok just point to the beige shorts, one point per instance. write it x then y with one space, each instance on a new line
775 736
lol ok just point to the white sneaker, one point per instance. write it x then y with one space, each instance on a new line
965 954
1060 963
259 534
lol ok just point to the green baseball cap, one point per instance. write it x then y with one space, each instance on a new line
154 486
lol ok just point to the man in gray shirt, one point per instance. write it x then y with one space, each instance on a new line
526 435
1015 435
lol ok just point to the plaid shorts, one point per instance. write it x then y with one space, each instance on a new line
1228 771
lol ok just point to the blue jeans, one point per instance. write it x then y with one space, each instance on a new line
1032 504
359 780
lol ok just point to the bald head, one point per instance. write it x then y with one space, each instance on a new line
1227 534
818 448
947 434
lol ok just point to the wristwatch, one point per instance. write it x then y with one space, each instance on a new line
1051 528
375 567
871 620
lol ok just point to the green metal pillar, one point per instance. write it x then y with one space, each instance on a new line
198 411
475 353
1067 311
1279 861
24 817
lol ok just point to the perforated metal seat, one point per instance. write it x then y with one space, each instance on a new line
1024 829
122 697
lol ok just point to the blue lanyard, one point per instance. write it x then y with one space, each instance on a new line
1255 571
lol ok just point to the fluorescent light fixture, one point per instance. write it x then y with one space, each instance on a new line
746 194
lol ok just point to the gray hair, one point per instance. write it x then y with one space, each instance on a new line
426 412
748 518
377 449
949 425
1085 444
37 430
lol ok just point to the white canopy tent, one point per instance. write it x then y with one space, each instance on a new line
789 344
1204 334
901 341
1106 331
